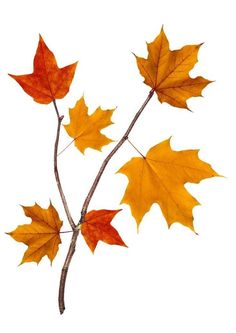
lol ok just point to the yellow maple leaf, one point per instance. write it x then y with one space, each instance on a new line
85 129
167 71
160 178
42 236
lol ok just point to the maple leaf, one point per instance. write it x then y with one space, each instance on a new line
47 82
42 235
160 178
97 226
167 71
85 129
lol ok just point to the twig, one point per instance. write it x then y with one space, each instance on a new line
63 198
87 201
62 151
107 159
64 271
136 148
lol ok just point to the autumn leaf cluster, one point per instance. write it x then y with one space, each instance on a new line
158 177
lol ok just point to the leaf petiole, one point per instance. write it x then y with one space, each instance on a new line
62 151
136 148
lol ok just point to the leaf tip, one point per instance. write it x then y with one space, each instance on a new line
21 263
221 176
92 250
41 39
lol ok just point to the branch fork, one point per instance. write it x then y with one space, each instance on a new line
76 227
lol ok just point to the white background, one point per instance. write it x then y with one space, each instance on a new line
167 280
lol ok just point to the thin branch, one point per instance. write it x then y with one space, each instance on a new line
65 232
107 159
64 271
63 198
135 148
61 297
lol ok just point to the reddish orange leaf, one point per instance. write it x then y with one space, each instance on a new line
86 129
42 236
97 227
160 178
47 82
167 72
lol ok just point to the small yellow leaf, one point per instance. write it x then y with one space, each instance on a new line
85 129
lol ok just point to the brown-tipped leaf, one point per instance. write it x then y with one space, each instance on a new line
167 72
42 236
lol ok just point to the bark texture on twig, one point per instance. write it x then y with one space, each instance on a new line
61 297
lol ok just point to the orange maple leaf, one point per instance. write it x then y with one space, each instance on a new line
47 82
85 129
97 227
42 236
160 178
167 71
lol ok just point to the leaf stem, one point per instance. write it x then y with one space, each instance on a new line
71 251
62 151
136 148
63 198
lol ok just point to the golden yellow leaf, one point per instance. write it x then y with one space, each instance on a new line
167 72
42 236
85 129
160 178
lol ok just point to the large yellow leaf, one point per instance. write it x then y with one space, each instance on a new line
167 72
85 129
160 178
42 236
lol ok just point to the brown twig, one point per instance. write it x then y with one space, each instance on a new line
107 159
64 271
72 224
87 201
138 151
63 198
